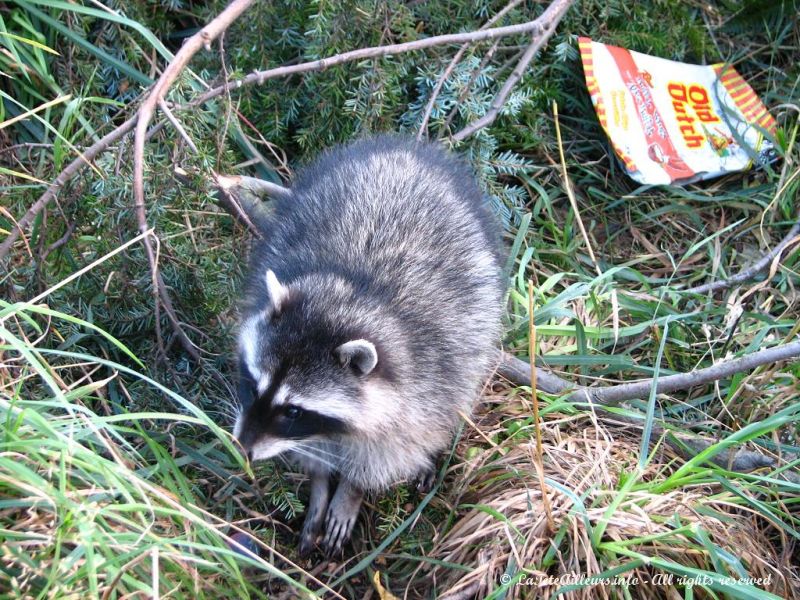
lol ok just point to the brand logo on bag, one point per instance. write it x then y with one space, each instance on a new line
688 101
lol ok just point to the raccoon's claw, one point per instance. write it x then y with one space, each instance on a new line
425 481
337 533
308 538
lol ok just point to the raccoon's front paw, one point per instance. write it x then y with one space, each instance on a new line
308 537
342 514
315 517
337 533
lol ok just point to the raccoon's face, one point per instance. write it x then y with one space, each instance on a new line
298 382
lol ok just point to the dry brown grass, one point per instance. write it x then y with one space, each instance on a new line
591 458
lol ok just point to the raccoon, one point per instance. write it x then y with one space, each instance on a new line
370 319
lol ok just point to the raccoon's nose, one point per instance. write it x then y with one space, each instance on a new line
245 445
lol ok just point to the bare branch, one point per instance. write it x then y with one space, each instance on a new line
753 270
202 38
242 197
252 185
549 20
538 27
60 241
456 59
145 113
472 77
518 371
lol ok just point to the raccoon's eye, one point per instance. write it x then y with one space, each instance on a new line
292 412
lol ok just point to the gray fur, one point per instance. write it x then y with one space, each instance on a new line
388 288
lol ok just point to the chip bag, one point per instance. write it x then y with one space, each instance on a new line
673 123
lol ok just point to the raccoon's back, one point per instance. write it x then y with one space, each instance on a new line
394 213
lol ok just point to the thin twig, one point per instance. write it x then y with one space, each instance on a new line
177 125
541 26
462 96
59 242
754 269
450 67
67 280
549 20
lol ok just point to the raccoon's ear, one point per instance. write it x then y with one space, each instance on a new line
276 291
361 355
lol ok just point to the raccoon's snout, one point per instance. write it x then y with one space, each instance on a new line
262 447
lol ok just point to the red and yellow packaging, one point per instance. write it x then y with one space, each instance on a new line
673 123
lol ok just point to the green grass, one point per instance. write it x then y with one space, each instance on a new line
111 502
118 475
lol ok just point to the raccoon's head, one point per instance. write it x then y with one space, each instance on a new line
302 377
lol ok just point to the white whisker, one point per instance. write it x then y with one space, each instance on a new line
306 452
319 450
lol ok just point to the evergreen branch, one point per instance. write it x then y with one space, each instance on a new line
450 67
549 20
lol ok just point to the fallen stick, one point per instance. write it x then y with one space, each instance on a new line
518 371
740 460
